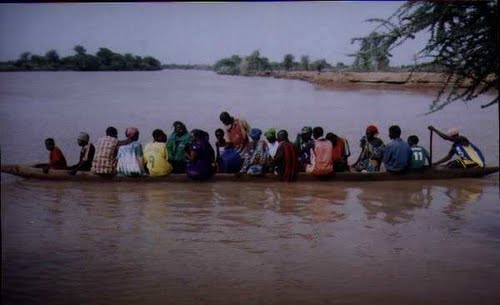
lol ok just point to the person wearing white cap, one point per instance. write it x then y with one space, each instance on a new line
86 154
468 154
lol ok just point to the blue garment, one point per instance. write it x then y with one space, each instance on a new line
396 155
201 167
230 161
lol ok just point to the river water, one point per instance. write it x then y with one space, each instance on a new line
408 242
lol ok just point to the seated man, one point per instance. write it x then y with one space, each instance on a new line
86 154
56 157
468 154
286 159
419 155
397 152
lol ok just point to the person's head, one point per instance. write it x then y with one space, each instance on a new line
219 135
179 128
453 133
159 136
371 132
112 132
83 139
282 136
197 134
413 140
50 143
255 134
332 138
317 132
226 118
394 132
132 133
270 135
306 133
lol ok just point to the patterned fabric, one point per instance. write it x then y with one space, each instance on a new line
468 154
256 158
104 158
237 134
57 159
130 162
371 155
156 159
286 160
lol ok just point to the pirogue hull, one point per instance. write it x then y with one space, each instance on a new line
429 174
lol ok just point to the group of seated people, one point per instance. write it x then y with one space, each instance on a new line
241 149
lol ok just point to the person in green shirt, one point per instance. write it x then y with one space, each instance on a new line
418 155
176 144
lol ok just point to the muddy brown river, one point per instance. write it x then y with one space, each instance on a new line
407 242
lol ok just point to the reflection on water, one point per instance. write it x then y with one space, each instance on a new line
407 242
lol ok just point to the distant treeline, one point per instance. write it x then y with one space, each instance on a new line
103 60
254 64
187 67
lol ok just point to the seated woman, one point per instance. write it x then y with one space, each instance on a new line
156 155
256 157
339 152
230 160
200 155
372 151
130 156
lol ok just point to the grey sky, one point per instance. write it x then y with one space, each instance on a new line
196 32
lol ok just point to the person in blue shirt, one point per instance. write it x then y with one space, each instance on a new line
230 160
397 152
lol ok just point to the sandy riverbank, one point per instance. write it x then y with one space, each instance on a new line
401 80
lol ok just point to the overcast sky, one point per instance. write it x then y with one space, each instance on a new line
196 32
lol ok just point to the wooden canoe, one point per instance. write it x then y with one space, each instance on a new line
429 174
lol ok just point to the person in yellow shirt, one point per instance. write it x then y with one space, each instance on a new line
156 155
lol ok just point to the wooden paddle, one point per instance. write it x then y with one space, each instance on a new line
430 148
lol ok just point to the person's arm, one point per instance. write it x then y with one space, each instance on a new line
447 158
441 134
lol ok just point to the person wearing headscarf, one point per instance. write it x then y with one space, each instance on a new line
469 155
304 142
256 158
86 154
200 155
176 145
286 158
340 152
237 130
272 142
372 151
130 156
156 155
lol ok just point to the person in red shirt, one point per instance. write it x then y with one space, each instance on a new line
56 157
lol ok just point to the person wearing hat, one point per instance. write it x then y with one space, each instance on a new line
256 158
272 142
304 142
86 154
372 151
468 154
237 130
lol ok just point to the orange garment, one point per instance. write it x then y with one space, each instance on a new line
56 159
321 158
338 150
238 134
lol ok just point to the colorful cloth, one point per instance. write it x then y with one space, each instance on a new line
176 146
273 147
237 133
130 160
156 159
104 159
321 158
256 158
468 154
397 155
286 160
304 149
57 159
371 155
419 156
